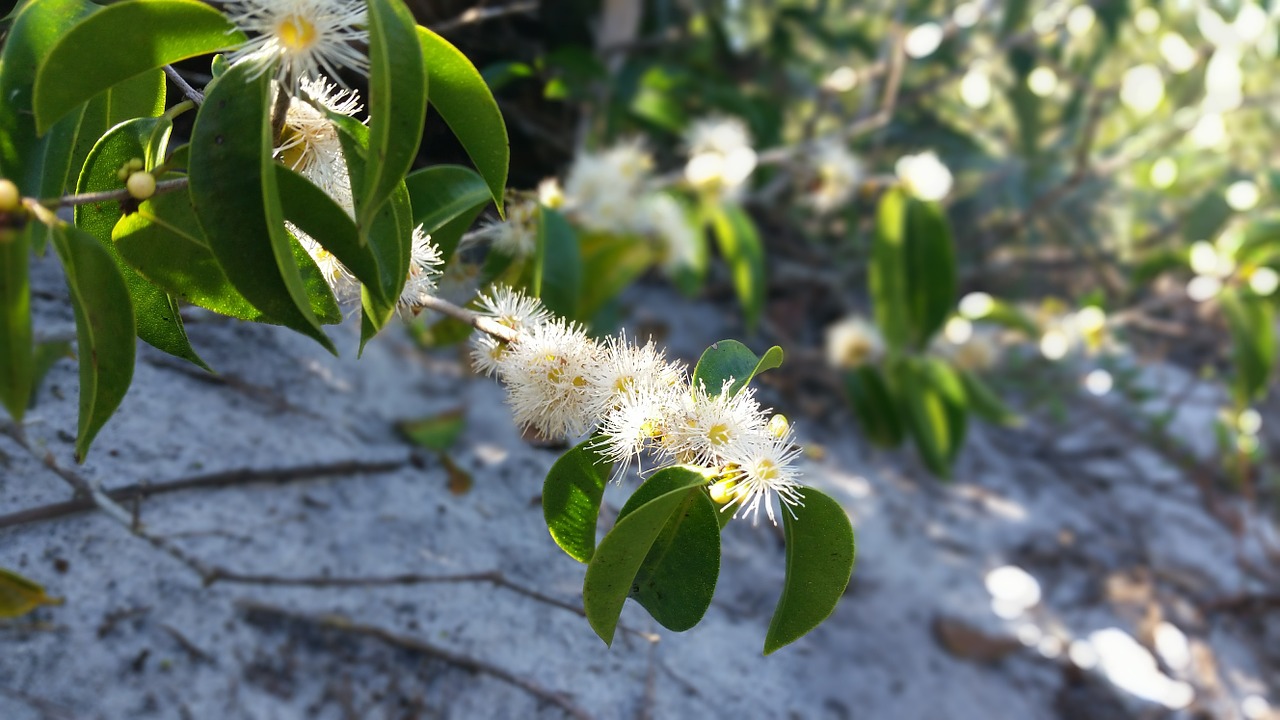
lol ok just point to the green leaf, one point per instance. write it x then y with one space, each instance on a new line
163 242
623 551
610 263
156 313
557 266
820 556
571 497
436 432
886 275
461 97
233 189
442 194
986 404
677 578
874 405
397 103
731 359
926 416
736 236
946 382
1253 341
104 329
36 30
930 269
17 359
107 48
19 596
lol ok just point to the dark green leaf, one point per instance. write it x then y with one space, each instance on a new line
730 359
1252 324
17 367
77 67
557 266
442 194
397 103
930 269
820 556
104 329
233 189
677 579
986 404
874 406
926 417
613 568
159 323
571 498
459 94
736 236
610 263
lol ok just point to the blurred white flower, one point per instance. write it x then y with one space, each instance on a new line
967 346
550 194
720 156
924 175
1223 82
1042 81
853 342
1055 344
1142 88
1098 382
975 88
679 240
1203 287
1249 421
1177 52
1080 20
976 305
1250 23
1164 173
835 174
1210 131
300 38
1243 195
601 188
923 40
517 235
841 80
1263 281
1147 20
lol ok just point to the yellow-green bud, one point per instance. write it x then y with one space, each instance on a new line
142 185
778 425
10 198
722 492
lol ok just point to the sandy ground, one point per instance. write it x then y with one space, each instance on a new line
1122 552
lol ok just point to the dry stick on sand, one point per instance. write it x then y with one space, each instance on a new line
258 612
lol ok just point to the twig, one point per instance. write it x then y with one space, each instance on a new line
240 476
480 322
163 186
483 14
1244 602
192 94
253 609
185 643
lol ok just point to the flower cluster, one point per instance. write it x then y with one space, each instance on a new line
720 156
562 383
832 174
297 39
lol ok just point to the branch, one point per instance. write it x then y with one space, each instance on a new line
191 93
480 14
162 186
257 613
480 322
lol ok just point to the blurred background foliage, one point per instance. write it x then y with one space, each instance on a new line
1103 175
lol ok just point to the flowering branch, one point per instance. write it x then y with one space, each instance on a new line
480 322
107 195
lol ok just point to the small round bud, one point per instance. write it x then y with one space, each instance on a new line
722 492
134 164
778 425
10 198
142 185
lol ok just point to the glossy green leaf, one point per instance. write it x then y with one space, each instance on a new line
17 358
820 555
163 242
36 30
611 574
1253 341
461 97
730 359
557 266
887 273
926 416
140 96
874 405
949 386
233 189
77 68
571 497
930 269
740 245
397 103
677 578
156 313
442 194
104 329
985 403
19 596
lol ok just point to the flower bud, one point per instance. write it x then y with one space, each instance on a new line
142 185
10 198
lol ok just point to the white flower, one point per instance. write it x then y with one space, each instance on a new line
680 241
310 145
636 425
514 309
853 342
344 285
487 353
977 348
517 235
709 428
924 175
720 156
298 38
626 370
424 266
835 174
602 188
760 469
545 370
